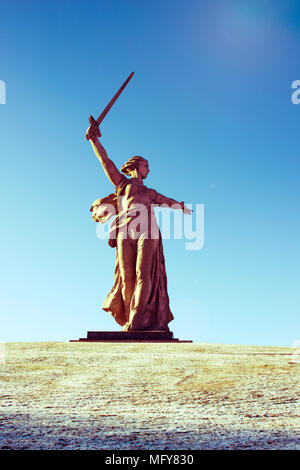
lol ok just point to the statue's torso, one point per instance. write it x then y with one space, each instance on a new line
135 193
136 203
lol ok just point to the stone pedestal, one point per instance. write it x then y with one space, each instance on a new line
151 336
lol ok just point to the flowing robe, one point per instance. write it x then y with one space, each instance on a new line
135 220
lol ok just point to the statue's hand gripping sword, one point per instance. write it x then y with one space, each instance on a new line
105 111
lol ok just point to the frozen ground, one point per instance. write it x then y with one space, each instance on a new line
148 396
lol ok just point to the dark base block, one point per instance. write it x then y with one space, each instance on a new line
147 336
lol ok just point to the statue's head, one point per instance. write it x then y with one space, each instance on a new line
136 167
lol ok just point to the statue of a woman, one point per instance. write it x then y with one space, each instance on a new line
139 298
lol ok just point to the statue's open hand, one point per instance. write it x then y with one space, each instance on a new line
186 210
93 130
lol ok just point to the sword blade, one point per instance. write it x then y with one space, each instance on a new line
104 113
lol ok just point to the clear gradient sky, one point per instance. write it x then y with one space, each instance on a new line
209 106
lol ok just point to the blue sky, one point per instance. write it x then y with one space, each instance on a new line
209 106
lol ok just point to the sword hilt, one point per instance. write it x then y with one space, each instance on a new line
95 123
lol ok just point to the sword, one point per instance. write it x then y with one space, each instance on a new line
110 104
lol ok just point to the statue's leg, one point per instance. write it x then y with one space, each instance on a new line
126 254
144 260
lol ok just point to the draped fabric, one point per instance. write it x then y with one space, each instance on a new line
156 313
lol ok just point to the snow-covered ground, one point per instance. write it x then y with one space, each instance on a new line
148 396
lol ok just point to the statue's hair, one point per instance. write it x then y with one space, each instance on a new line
132 164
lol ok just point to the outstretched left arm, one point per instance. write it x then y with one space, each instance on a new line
172 203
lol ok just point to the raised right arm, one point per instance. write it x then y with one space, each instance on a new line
108 165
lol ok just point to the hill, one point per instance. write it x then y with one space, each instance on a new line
148 396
